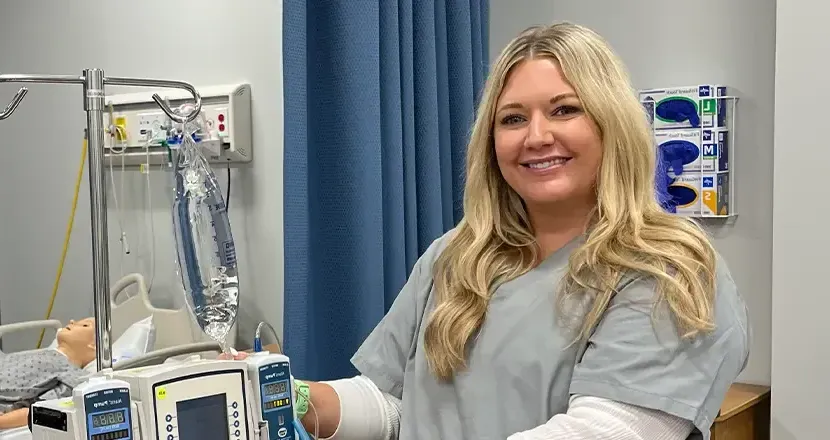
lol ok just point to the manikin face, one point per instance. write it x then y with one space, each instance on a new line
548 149
78 334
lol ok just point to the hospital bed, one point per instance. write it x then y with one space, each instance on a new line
172 327
175 333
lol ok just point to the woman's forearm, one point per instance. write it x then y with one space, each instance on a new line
353 409
324 410
366 413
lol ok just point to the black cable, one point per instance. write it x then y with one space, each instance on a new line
228 192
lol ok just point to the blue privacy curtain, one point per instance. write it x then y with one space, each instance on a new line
379 99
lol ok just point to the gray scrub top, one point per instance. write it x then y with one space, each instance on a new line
521 369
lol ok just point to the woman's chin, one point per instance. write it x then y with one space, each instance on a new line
547 196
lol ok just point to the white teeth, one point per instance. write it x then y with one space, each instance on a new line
548 164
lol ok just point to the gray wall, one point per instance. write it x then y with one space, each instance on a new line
800 352
672 44
205 42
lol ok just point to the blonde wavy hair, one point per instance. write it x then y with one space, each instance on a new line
628 233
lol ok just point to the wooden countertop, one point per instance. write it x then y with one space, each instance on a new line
740 397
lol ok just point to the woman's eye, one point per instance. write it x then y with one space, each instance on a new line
565 110
511 119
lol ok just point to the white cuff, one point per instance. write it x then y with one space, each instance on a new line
602 419
366 413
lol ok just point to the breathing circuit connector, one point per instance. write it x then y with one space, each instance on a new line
258 337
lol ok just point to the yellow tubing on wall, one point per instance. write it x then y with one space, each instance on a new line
66 239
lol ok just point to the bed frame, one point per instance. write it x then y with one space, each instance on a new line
177 333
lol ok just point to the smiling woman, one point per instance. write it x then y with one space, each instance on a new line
566 304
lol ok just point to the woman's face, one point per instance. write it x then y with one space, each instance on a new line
548 149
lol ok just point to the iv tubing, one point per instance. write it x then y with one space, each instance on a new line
316 421
258 337
66 238
116 131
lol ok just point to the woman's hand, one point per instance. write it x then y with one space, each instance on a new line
236 356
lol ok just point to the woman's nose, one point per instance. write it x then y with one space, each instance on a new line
539 133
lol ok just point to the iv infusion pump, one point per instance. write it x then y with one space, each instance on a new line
196 399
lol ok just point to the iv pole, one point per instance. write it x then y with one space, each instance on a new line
93 82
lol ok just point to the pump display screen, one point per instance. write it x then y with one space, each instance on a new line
275 395
205 418
107 419
273 388
112 435
103 424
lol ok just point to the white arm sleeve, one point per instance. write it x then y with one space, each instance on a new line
366 413
602 419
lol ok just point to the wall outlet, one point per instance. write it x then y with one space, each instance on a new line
152 126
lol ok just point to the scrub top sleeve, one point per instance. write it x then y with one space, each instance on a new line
637 357
384 354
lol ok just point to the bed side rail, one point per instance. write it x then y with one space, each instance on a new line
159 356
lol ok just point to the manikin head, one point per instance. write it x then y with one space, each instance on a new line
77 341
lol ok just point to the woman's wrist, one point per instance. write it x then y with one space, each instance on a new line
323 414
302 396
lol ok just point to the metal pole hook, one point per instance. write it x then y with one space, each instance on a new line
141 82
18 97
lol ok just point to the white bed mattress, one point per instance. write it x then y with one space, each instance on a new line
16 434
